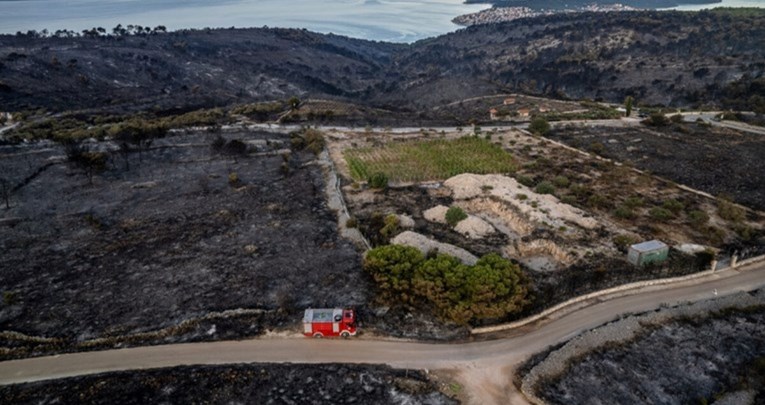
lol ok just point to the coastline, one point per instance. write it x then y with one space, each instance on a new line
499 13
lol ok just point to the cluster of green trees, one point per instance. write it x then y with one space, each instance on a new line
493 288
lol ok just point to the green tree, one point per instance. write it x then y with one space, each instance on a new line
392 267
628 102
539 126
491 289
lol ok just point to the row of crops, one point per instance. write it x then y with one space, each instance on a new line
415 161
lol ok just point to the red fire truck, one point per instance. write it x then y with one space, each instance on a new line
329 322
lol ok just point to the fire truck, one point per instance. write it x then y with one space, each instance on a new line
331 322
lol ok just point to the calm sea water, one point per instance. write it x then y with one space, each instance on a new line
389 20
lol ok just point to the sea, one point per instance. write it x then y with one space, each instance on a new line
383 20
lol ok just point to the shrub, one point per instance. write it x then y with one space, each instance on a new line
656 120
598 201
561 181
568 199
522 197
597 148
624 212
233 179
744 232
730 211
525 180
391 226
634 202
660 214
545 187
715 235
454 215
698 219
378 181
352 223
539 126
308 138
623 242
674 206
314 140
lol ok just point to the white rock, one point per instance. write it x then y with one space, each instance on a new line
425 245
474 227
405 221
436 214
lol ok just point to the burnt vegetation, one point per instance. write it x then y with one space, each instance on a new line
670 58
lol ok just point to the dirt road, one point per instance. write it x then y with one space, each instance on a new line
485 367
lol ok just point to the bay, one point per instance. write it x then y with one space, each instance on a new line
385 20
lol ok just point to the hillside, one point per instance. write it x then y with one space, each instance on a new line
668 58
569 4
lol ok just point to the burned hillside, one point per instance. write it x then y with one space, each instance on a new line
668 58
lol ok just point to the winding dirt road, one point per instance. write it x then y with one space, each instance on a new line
484 367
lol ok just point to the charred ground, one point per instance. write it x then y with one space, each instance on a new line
159 252
261 383
658 57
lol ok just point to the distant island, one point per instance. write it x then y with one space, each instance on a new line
573 4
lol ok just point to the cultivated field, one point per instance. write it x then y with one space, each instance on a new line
428 160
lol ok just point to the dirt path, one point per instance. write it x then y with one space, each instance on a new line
485 367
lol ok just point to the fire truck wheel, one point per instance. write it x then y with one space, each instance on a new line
318 335
345 334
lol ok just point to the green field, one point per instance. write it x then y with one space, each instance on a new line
415 161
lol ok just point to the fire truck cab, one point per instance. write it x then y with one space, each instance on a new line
326 322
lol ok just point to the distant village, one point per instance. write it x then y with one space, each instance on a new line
504 14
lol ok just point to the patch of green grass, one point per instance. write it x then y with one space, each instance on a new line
429 160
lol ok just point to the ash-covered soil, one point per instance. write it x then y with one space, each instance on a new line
688 360
252 384
185 232
657 57
715 160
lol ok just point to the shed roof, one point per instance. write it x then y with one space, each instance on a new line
649 246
